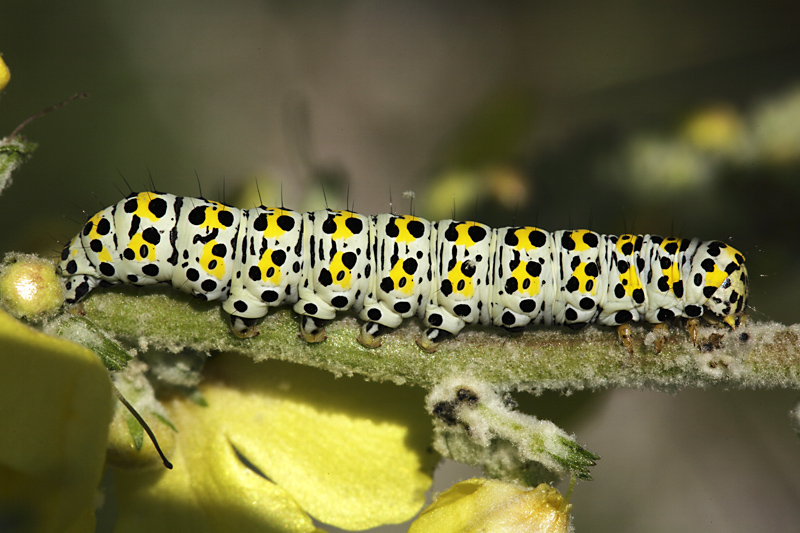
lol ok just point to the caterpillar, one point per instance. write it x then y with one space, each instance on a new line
390 267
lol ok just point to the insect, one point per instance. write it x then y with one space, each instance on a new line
390 267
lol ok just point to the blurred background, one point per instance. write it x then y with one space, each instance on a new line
615 115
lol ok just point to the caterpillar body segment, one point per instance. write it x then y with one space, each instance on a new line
270 244
337 265
401 280
523 278
389 267
461 258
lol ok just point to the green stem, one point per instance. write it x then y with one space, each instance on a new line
759 355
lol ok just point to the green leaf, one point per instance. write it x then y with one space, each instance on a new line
13 152
81 330
136 431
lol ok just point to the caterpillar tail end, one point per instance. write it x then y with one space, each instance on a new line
731 321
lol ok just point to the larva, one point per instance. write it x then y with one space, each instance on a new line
390 267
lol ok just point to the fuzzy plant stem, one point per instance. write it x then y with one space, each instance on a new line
758 355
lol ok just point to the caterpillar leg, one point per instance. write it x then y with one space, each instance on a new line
693 327
378 319
78 310
369 334
429 341
244 328
442 324
660 330
625 334
312 329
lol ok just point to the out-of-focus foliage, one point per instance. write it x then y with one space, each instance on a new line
387 89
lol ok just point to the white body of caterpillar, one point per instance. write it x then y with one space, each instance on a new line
390 267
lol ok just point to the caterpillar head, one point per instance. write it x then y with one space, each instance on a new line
728 304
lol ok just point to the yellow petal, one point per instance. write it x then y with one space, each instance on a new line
353 454
208 489
55 407
5 74
453 191
715 128
350 453
486 506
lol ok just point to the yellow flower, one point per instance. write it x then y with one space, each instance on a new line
486 506
271 445
277 442
458 189
55 407
716 129
5 74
